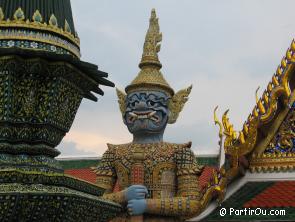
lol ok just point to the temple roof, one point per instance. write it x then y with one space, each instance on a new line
264 122
259 163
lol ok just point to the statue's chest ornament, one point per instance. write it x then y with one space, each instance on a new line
154 155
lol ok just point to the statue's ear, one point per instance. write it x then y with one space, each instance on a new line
121 100
177 102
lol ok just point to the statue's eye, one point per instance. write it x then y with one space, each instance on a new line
151 103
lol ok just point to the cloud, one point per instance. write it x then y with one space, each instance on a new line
87 143
71 149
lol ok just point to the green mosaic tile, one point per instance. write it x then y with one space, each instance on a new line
208 161
77 164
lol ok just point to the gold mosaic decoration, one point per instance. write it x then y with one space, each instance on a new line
270 162
164 164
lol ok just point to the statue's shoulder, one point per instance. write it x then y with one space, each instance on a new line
118 149
179 147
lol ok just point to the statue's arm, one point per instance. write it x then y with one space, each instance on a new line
108 184
106 177
187 202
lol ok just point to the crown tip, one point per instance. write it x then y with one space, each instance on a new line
153 13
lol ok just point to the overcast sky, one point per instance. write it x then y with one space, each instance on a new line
226 49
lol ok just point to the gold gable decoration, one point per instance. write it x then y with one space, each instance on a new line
271 162
263 113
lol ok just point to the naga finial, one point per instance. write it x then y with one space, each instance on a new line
256 94
151 45
217 122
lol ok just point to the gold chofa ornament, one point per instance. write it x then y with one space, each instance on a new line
150 77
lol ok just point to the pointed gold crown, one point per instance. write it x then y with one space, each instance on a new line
150 77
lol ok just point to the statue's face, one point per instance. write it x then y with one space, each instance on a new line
146 112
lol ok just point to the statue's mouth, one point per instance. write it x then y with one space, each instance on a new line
135 115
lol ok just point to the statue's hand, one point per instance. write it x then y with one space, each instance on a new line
137 207
135 192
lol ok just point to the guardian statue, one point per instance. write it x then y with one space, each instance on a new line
154 180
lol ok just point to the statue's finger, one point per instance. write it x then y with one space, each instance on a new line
141 195
140 190
129 210
139 186
129 206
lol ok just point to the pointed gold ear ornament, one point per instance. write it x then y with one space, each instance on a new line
121 100
177 102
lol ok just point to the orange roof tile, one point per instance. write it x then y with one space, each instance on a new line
281 194
84 174
206 176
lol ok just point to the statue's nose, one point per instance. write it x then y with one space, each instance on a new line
140 106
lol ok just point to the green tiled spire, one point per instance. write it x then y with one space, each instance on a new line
42 83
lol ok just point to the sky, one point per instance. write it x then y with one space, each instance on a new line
226 49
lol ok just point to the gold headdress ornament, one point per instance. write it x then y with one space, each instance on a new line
150 77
